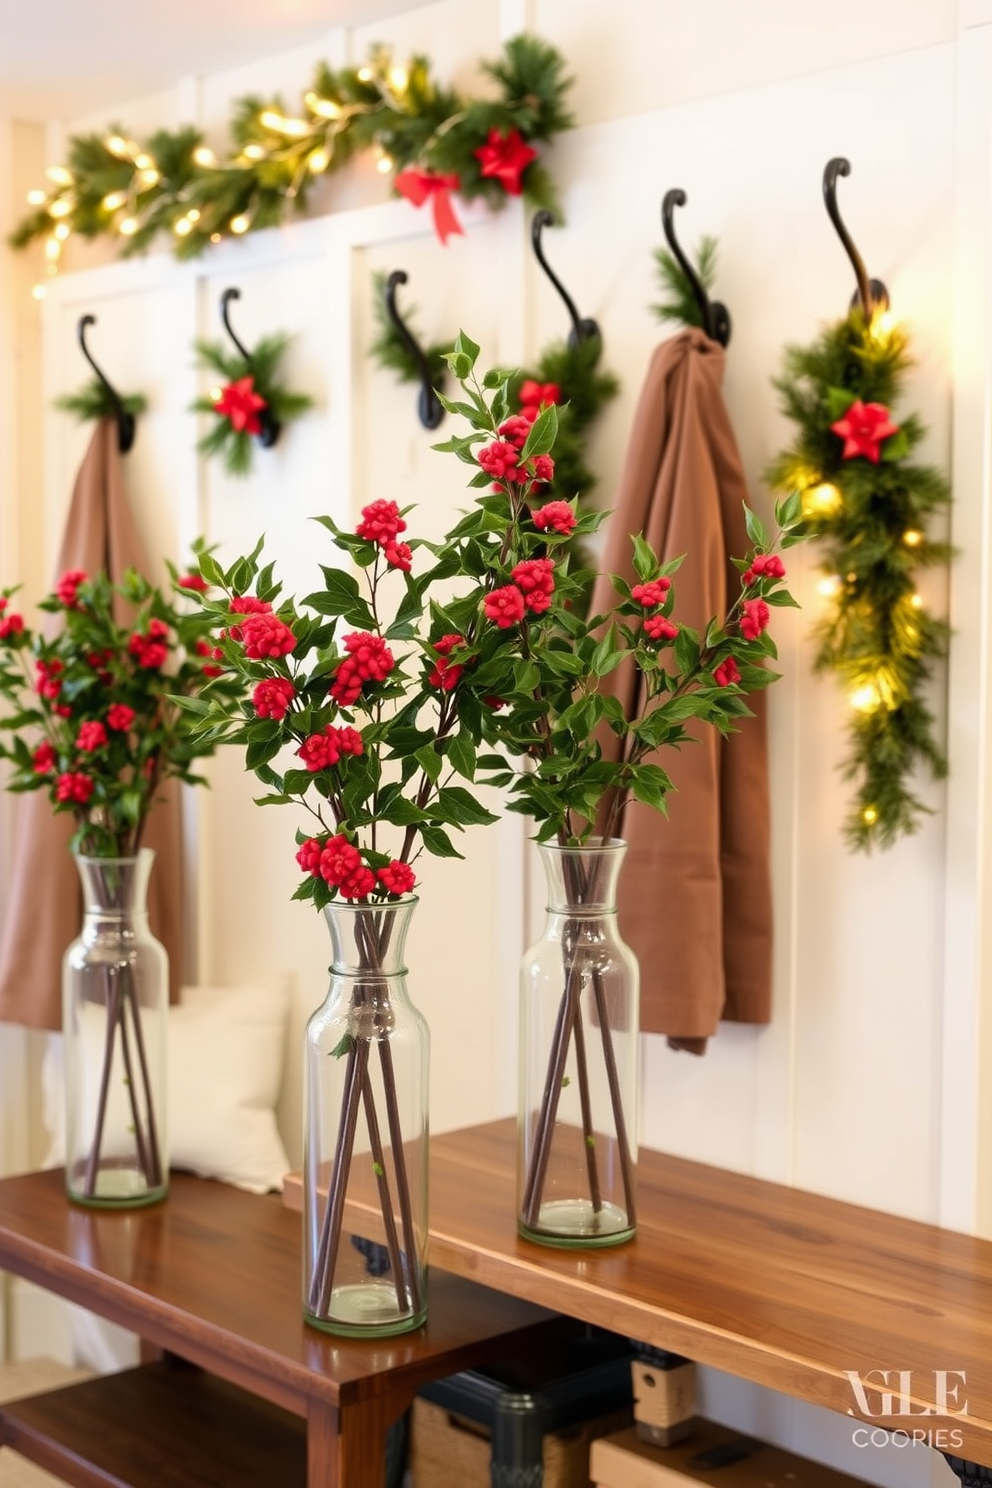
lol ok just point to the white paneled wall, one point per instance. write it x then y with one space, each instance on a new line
866 1084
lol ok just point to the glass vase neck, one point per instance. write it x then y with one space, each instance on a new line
116 886
583 880
369 939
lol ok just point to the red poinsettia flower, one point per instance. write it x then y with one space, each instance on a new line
505 158
240 403
863 428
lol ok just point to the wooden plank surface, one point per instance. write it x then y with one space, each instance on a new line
158 1426
213 1274
785 1288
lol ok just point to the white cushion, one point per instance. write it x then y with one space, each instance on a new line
225 1061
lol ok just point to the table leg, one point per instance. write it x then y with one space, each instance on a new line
346 1448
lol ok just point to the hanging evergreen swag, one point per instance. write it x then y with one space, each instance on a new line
681 303
569 376
865 496
249 403
434 141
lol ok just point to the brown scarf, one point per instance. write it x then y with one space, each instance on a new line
695 891
43 911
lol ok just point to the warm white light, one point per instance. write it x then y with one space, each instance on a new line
324 108
52 249
143 161
365 74
869 816
59 175
216 393
113 200
38 291
116 145
254 152
281 125
150 176
61 231
129 226
182 228
193 215
912 537
215 237
318 161
239 224
866 698
882 325
917 601
37 198
830 586
203 155
60 208
384 166
821 500
398 78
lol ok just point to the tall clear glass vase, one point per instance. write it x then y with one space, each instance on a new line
366 1133
115 993
577 1143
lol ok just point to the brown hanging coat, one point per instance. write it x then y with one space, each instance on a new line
43 913
695 891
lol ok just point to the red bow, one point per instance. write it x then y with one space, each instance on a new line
863 428
241 404
418 185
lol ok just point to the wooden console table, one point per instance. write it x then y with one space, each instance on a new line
778 1286
213 1276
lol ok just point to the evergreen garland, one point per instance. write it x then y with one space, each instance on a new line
262 373
877 635
113 186
93 401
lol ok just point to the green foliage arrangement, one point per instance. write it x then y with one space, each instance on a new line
249 398
91 714
481 148
870 502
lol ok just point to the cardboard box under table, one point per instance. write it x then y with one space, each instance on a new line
524 1424
711 1456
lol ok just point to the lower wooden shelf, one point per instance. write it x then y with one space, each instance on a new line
162 1425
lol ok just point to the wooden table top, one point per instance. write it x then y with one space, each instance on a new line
781 1287
213 1274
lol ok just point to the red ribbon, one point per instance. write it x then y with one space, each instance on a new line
419 185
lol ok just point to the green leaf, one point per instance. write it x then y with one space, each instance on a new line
755 528
456 805
461 752
645 560
438 843
429 761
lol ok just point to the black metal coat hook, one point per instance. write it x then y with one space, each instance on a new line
271 428
126 426
582 330
716 316
429 407
871 292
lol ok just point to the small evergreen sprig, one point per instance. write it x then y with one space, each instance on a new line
94 401
871 509
111 185
681 303
252 386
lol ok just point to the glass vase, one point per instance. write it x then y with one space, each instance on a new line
365 1133
115 994
577 1145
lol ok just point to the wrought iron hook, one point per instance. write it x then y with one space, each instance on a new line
582 330
429 406
125 421
871 292
271 428
716 316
